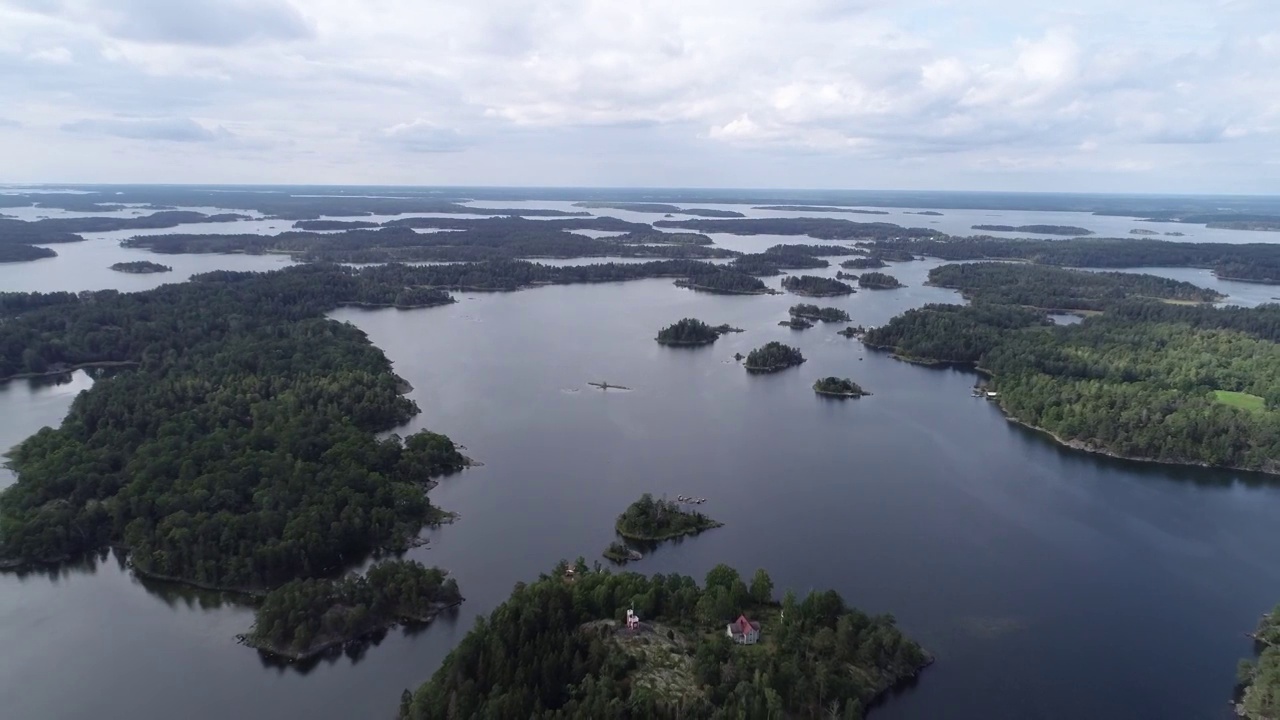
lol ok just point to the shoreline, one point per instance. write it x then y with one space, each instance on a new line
316 650
712 524
71 369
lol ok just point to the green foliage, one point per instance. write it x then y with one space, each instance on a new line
1058 288
1244 401
241 453
302 617
1260 682
878 281
689 331
863 263
542 654
140 266
815 286
771 357
761 587
1037 229
951 333
712 278
826 314
838 386
820 228
650 519
814 250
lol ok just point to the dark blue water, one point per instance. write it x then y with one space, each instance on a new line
1049 583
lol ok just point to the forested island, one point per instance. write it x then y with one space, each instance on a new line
558 647
141 267
820 228
838 387
619 553
1147 380
659 209
814 286
650 519
1070 230
878 281
796 323
863 263
335 225
770 263
814 250
772 357
306 618
1054 289
1250 262
691 331
18 252
813 312
720 280
821 208
1259 697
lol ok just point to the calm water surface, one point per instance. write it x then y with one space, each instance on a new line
1049 583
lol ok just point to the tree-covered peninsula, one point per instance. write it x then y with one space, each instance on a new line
813 312
141 267
306 618
772 357
878 281
1052 288
650 519
820 228
1070 230
558 647
715 279
691 331
1147 380
838 387
863 263
1259 696
814 286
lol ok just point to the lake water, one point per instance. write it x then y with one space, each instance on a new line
1049 583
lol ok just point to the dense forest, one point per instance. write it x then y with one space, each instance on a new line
814 250
1053 288
659 209
468 241
1260 680
555 649
140 267
878 281
772 357
796 323
825 314
17 252
690 331
721 280
650 519
1179 384
658 237
863 263
1036 229
306 617
771 263
1254 262
838 387
814 286
820 228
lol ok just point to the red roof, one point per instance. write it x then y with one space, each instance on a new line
745 625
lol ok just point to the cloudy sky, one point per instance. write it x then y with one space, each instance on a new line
1086 95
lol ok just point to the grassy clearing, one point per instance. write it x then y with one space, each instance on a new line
1244 401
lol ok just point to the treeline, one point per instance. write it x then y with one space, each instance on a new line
689 331
771 357
1036 229
820 228
1254 262
546 652
19 238
660 208
305 617
140 267
815 286
1260 680
650 519
814 250
1054 288
825 314
951 333
878 281
243 451
712 278
821 208
863 263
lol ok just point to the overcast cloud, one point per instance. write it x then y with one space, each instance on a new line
1092 95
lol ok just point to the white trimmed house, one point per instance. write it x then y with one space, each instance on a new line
743 631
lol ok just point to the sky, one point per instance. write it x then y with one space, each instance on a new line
1160 96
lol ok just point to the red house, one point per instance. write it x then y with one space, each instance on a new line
744 631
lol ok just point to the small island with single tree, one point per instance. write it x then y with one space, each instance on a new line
141 267
652 520
691 331
813 312
814 286
306 618
838 387
772 357
878 281
620 553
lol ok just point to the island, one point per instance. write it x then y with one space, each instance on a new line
878 281
852 332
772 357
1036 229
820 228
821 208
651 520
307 618
1258 695
814 286
724 282
838 387
659 209
691 331
620 553
932 213
863 263
813 312
141 267
664 647
1198 383
769 263
796 323
1142 231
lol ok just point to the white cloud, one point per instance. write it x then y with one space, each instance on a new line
910 92
166 129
